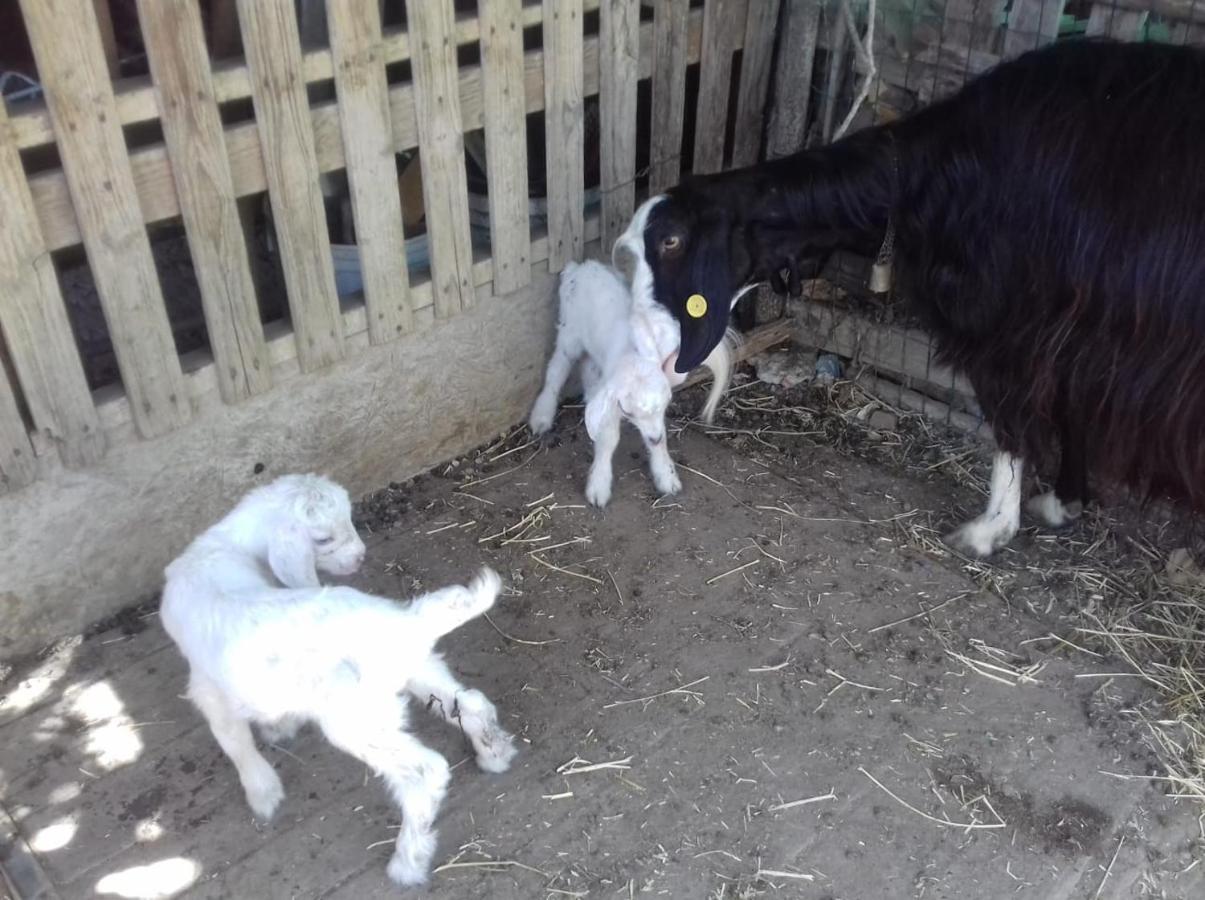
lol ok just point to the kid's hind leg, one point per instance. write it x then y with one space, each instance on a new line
543 412
416 775
434 685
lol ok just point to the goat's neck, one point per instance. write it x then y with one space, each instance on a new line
843 193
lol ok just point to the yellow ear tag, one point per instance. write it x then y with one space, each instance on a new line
696 306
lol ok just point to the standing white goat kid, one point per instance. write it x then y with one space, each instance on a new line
622 371
267 644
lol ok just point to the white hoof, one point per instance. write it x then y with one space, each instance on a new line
668 483
981 537
264 793
1052 512
598 490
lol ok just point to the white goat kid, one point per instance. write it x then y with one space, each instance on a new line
266 644
621 372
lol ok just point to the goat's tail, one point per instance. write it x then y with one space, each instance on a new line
437 613
720 362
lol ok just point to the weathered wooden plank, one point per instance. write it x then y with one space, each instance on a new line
793 79
355 31
619 50
290 162
17 464
563 130
152 169
506 143
34 321
1031 23
761 26
441 145
721 21
1106 20
136 98
282 348
71 63
670 24
192 128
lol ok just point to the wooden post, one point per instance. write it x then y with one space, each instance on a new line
761 25
34 321
192 128
363 94
720 24
286 138
441 145
67 45
619 49
670 21
793 78
563 134
506 143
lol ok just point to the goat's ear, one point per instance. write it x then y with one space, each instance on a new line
599 409
291 558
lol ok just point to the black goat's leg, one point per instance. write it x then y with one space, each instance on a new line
1062 506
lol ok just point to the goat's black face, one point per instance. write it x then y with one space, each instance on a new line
706 244
699 263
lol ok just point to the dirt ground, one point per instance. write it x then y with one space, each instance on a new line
770 685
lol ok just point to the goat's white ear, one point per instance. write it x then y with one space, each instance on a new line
598 410
291 557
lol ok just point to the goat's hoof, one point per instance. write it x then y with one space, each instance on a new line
406 873
1052 512
264 798
498 752
980 538
669 485
598 494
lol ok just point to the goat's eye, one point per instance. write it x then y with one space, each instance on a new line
324 541
671 243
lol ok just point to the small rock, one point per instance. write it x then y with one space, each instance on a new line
883 420
1183 570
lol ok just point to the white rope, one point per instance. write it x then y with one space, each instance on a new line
865 54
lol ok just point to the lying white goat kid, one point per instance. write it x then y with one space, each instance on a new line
623 372
267 644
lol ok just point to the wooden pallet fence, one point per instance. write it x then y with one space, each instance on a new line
356 45
564 137
67 47
192 129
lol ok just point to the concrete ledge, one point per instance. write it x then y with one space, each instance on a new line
76 546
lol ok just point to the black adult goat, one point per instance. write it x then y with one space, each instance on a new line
1049 228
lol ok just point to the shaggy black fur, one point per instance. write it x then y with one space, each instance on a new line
1050 226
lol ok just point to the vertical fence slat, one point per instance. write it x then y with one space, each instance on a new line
761 24
506 142
192 129
670 32
35 324
793 78
1119 24
1031 23
71 62
564 138
720 18
17 464
619 52
286 137
363 94
441 148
